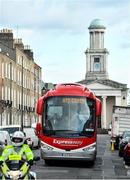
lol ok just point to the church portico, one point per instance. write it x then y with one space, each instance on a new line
109 97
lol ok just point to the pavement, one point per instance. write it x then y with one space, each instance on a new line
112 166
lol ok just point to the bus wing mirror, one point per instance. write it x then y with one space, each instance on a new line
38 128
40 105
98 107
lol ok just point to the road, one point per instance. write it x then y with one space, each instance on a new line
108 165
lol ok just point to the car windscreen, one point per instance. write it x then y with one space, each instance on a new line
11 130
29 132
2 136
126 134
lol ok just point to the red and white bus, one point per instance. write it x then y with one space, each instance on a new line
67 126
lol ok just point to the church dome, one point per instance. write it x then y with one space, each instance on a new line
96 24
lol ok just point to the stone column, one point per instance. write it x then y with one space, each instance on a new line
103 119
118 101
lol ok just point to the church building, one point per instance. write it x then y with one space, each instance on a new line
97 77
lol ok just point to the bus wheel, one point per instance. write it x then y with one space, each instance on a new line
48 162
91 163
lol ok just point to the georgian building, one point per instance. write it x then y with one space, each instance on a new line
20 81
97 77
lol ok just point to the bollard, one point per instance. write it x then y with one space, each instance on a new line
112 146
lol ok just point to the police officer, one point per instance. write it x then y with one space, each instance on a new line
18 147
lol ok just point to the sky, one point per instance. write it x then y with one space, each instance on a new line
57 32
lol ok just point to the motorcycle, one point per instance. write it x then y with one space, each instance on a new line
17 168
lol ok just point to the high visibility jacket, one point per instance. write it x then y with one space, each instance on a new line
25 151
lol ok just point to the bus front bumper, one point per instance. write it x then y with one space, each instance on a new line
87 155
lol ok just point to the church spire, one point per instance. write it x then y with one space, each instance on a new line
96 54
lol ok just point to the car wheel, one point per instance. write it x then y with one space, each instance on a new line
48 162
126 162
39 144
120 153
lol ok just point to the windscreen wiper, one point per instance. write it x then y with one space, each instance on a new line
49 132
86 133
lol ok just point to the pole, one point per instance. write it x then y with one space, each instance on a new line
22 96
10 108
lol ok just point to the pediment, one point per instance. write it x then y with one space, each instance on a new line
97 85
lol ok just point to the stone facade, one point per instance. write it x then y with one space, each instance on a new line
20 82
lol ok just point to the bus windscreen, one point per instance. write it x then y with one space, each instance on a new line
69 116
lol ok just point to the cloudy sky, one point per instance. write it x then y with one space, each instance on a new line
57 31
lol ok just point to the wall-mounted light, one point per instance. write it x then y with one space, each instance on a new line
124 98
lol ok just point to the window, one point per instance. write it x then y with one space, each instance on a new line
6 70
8 93
12 73
97 65
96 60
2 69
18 98
3 92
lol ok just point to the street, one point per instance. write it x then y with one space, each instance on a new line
108 165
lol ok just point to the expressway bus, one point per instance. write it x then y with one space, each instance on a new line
67 126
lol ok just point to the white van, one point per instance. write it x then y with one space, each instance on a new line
10 128
32 139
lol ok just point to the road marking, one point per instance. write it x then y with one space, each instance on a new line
52 171
126 167
128 173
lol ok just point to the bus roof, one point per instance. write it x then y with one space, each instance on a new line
72 89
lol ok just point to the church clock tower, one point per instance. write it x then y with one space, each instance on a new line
96 54
110 92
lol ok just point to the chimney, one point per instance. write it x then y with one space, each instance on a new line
18 43
6 37
28 51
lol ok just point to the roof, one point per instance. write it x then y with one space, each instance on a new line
96 24
107 82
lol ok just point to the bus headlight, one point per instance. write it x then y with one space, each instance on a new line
46 147
91 148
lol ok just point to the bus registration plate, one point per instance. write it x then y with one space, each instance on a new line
66 154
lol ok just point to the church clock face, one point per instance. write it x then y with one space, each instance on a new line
96 66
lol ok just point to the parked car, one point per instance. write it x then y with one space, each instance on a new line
32 139
10 128
5 137
2 146
127 153
124 140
